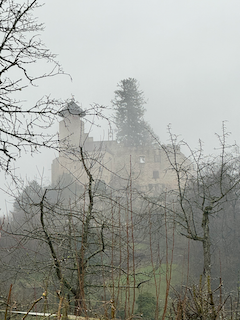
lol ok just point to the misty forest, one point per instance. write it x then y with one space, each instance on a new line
129 227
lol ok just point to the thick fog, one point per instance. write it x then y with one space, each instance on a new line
185 55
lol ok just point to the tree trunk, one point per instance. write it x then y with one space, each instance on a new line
80 307
206 246
208 303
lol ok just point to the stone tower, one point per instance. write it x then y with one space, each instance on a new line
71 128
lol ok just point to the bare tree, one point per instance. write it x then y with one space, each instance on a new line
204 186
90 242
78 231
21 126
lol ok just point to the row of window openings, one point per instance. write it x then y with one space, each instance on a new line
155 174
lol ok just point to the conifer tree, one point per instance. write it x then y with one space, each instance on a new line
129 102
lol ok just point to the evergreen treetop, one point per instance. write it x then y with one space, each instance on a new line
129 102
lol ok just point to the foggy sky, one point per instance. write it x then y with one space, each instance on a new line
185 55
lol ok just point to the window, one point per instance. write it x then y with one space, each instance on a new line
142 159
155 175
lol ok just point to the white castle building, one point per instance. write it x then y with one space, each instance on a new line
111 163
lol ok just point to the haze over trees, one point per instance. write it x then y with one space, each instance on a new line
121 247
102 252
85 246
205 185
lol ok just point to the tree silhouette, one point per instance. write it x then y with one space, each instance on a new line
129 102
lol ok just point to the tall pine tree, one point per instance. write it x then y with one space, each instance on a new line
129 102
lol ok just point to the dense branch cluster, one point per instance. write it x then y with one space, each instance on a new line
20 49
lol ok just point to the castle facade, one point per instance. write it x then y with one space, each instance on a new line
110 163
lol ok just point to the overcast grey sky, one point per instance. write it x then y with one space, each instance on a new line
185 55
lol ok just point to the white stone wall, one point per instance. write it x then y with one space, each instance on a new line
110 161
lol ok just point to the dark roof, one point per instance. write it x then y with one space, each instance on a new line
72 108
